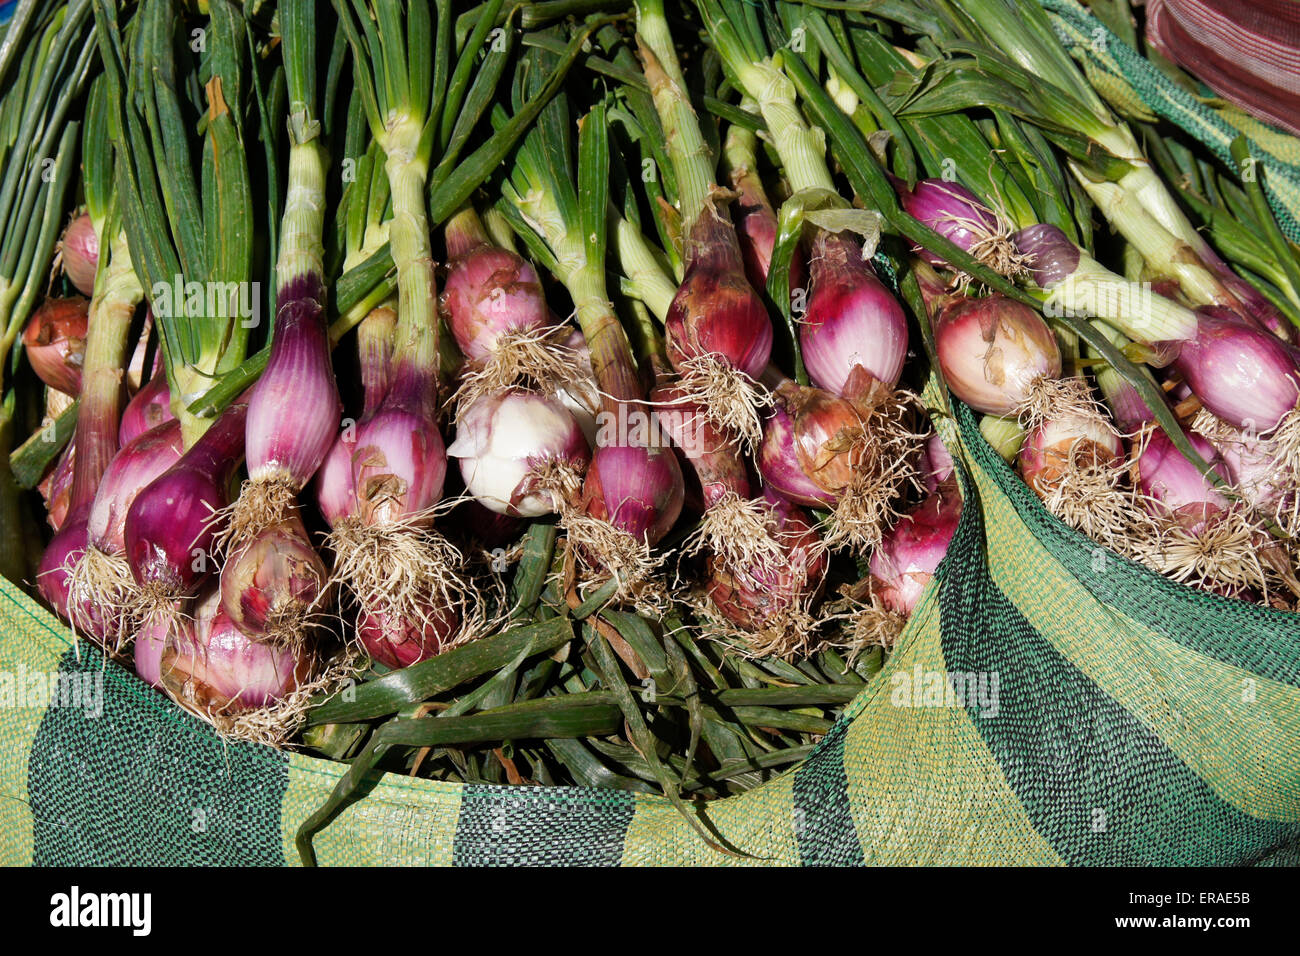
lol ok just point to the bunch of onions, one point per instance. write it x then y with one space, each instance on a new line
771 593
78 253
102 599
55 343
852 320
520 453
718 335
496 310
215 670
173 524
857 453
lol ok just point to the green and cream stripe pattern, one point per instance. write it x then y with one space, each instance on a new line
1121 719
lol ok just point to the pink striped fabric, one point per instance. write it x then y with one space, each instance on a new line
1247 51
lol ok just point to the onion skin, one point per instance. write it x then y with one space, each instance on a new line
637 489
1057 445
1244 376
1053 258
778 462
715 311
80 253
1172 482
709 450
911 551
55 343
852 319
501 441
132 469
216 668
275 573
993 350
294 409
52 578
824 431
168 535
56 488
753 598
397 644
491 291
148 408
335 486
951 210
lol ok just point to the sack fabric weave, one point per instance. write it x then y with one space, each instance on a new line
1134 722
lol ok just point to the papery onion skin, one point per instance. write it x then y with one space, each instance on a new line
217 668
993 350
636 488
1242 375
825 430
778 462
1057 445
502 440
132 469
169 533
755 597
79 249
274 574
397 643
56 488
55 343
852 319
910 551
491 291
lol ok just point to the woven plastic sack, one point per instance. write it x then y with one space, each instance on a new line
1116 718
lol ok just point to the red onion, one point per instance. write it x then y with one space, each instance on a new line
766 594
994 351
53 574
293 409
636 489
491 292
717 326
1172 482
778 463
137 464
151 641
1242 375
957 214
910 552
852 319
710 450
396 642
79 253
509 446
936 465
215 669
148 408
335 485
170 529
756 227
55 342
272 582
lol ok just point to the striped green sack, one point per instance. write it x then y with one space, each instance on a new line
1115 718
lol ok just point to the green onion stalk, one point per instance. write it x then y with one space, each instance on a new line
718 334
633 490
47 55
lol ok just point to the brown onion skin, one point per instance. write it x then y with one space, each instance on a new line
778 462
55 343
397 644
753 598
1054 447
824 430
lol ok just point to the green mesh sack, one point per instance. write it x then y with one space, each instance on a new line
1115 718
